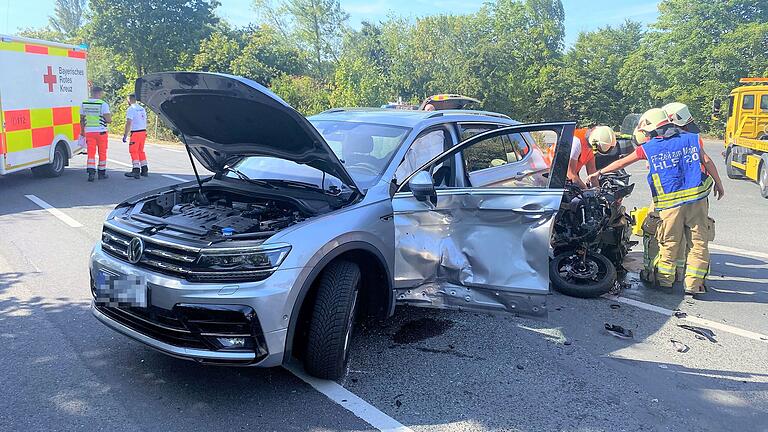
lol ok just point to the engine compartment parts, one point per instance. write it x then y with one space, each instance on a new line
219 216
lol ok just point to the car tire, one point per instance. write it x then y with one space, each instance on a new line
730 170
574 287
56 167
763 179
333 317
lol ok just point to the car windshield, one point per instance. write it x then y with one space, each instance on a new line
365 149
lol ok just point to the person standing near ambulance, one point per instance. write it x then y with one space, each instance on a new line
680 184
94 118
136 129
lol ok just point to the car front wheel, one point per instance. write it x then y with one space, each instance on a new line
333 317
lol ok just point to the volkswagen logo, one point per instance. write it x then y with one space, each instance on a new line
135 250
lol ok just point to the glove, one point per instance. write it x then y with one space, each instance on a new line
125 139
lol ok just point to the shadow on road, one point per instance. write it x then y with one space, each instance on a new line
63 370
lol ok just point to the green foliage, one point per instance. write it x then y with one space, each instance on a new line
509 54
153 34
304 93
68 17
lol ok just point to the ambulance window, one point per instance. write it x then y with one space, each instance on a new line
748 102
730 106
764 103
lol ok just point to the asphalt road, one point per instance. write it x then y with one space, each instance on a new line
428 370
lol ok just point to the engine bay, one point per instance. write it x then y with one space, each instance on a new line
217 215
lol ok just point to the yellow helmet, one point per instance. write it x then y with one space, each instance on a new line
678 113
652 119
640 136
603 138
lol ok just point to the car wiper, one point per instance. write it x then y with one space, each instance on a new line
245 178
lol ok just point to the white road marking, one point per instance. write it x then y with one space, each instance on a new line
350 401
175 178
168 148
696 320
738 251
54 211
120 163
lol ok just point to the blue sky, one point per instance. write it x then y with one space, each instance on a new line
580 14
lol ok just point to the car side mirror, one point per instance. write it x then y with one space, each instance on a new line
423 187
715 109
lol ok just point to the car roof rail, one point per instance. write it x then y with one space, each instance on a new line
468 112
333 110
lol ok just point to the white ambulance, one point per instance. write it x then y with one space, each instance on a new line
41 87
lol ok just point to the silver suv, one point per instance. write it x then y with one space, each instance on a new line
308 223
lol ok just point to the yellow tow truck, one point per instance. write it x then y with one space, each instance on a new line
746 132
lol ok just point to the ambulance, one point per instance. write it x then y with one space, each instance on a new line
41 87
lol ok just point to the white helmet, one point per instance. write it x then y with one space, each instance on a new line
652 119
678 113
603 138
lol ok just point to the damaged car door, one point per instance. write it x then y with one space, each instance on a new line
477 248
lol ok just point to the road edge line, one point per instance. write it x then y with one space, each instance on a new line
738 251
112 161
54 211
349 401
696 320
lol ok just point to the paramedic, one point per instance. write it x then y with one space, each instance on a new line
136 130
94 117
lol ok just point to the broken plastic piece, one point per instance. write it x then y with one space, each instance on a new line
680 314
615 306
705 332
679 346
619 331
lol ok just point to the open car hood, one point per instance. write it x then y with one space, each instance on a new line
223 117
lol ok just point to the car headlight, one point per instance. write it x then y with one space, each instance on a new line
238 260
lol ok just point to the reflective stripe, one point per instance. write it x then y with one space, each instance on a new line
696 272
665 201
665 269
657 184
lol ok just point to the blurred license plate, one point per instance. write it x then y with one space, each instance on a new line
120 290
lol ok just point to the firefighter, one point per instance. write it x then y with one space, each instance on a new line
680 186
136 129
582 156
94 118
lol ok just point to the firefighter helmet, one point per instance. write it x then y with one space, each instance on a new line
652 119
678 113
602 138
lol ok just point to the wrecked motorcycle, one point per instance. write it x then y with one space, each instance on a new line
591 237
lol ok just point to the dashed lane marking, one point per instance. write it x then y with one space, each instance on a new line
350 401
696 320
54 211
175 178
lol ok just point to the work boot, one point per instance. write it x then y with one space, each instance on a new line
144 171
103 174
91 174
135 173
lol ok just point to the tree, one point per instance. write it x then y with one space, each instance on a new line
266 56
589 74
317 26
304 93
217 53
154 35
68 17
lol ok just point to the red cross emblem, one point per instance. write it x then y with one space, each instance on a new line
50 79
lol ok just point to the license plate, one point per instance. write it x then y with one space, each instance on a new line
120 290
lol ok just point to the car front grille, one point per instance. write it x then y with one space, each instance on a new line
173 260
160 257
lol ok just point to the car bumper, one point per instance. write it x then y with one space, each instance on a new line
271 301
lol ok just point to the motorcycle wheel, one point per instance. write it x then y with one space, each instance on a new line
591 279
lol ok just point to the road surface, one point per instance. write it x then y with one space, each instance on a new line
421 370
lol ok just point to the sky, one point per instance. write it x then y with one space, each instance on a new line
580 15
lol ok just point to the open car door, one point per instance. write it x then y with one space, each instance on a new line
478 248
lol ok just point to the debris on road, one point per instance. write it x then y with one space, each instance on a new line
681 314
679 346
619 331
701 331
615 306
421 329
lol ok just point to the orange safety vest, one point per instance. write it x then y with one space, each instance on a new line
587 154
